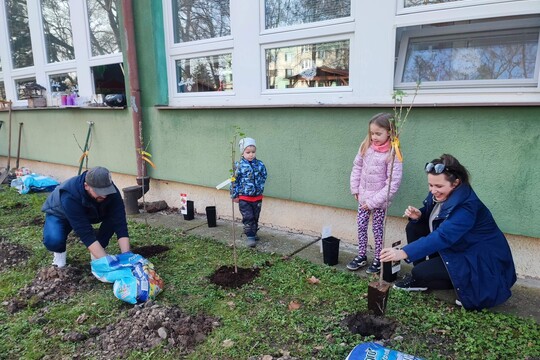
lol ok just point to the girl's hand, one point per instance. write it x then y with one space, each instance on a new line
364 207
236 200
391 254
412 213
355 196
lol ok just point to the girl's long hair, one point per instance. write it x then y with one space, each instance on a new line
382 120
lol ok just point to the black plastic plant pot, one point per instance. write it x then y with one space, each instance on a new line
211 216
190 211
330 247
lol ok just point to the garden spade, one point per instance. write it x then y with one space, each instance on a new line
4 172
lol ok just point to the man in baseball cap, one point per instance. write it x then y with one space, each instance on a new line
76 204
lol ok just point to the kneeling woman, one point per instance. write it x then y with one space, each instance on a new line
454 242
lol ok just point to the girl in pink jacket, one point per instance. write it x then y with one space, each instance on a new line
370 177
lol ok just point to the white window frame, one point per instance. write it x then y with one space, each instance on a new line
248 36
42 69
450 32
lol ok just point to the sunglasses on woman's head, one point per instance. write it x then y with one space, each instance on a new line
436 168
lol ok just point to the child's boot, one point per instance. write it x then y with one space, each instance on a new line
375 267
251 241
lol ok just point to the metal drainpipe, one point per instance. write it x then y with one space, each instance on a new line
134 87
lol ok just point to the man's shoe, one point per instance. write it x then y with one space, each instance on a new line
375 267
357 263
408 283
251 242
59 259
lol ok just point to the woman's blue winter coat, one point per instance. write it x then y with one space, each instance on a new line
473 248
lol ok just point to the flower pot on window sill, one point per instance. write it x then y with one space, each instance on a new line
37 102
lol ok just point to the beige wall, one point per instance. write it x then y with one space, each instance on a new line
287 215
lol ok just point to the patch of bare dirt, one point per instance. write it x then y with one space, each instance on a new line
145 327
150 250
365 324
51 284
226 277
12 255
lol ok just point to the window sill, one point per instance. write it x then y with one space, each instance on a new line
73 107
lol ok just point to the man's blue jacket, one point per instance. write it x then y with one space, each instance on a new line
473 248
71 202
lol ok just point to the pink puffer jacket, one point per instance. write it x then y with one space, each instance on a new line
369 178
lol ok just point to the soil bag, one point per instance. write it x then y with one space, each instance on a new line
134 277
374 351
34 182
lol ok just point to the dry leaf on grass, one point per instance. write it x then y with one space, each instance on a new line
313 280
294 305
228 343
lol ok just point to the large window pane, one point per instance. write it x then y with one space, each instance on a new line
484 56
57 30
208 73
19 33
200 19
104 27
411 3
20 85
313 65
279 13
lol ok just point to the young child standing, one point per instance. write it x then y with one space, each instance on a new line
248 187
370 176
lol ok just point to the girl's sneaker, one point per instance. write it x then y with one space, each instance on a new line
357 263
375 267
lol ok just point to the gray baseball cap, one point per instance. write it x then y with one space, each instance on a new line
100 180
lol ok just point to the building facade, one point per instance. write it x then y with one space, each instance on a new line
301 77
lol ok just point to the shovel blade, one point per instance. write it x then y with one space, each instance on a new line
378 296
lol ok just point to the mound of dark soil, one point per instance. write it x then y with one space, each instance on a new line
150 250
51 284
12 255
366 324
226 277
145 327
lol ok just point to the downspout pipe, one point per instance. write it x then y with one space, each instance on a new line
133 193
134 87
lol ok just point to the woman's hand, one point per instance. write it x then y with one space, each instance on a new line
391 254
412 213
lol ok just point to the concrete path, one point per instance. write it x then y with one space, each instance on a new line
525 301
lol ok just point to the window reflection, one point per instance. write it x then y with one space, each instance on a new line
494 56
279 13
208 73
57 30
20 86
104 27
19 33
313 65
200 19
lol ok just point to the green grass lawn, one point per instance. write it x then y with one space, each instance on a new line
255 320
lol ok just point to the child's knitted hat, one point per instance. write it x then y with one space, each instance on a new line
245 142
